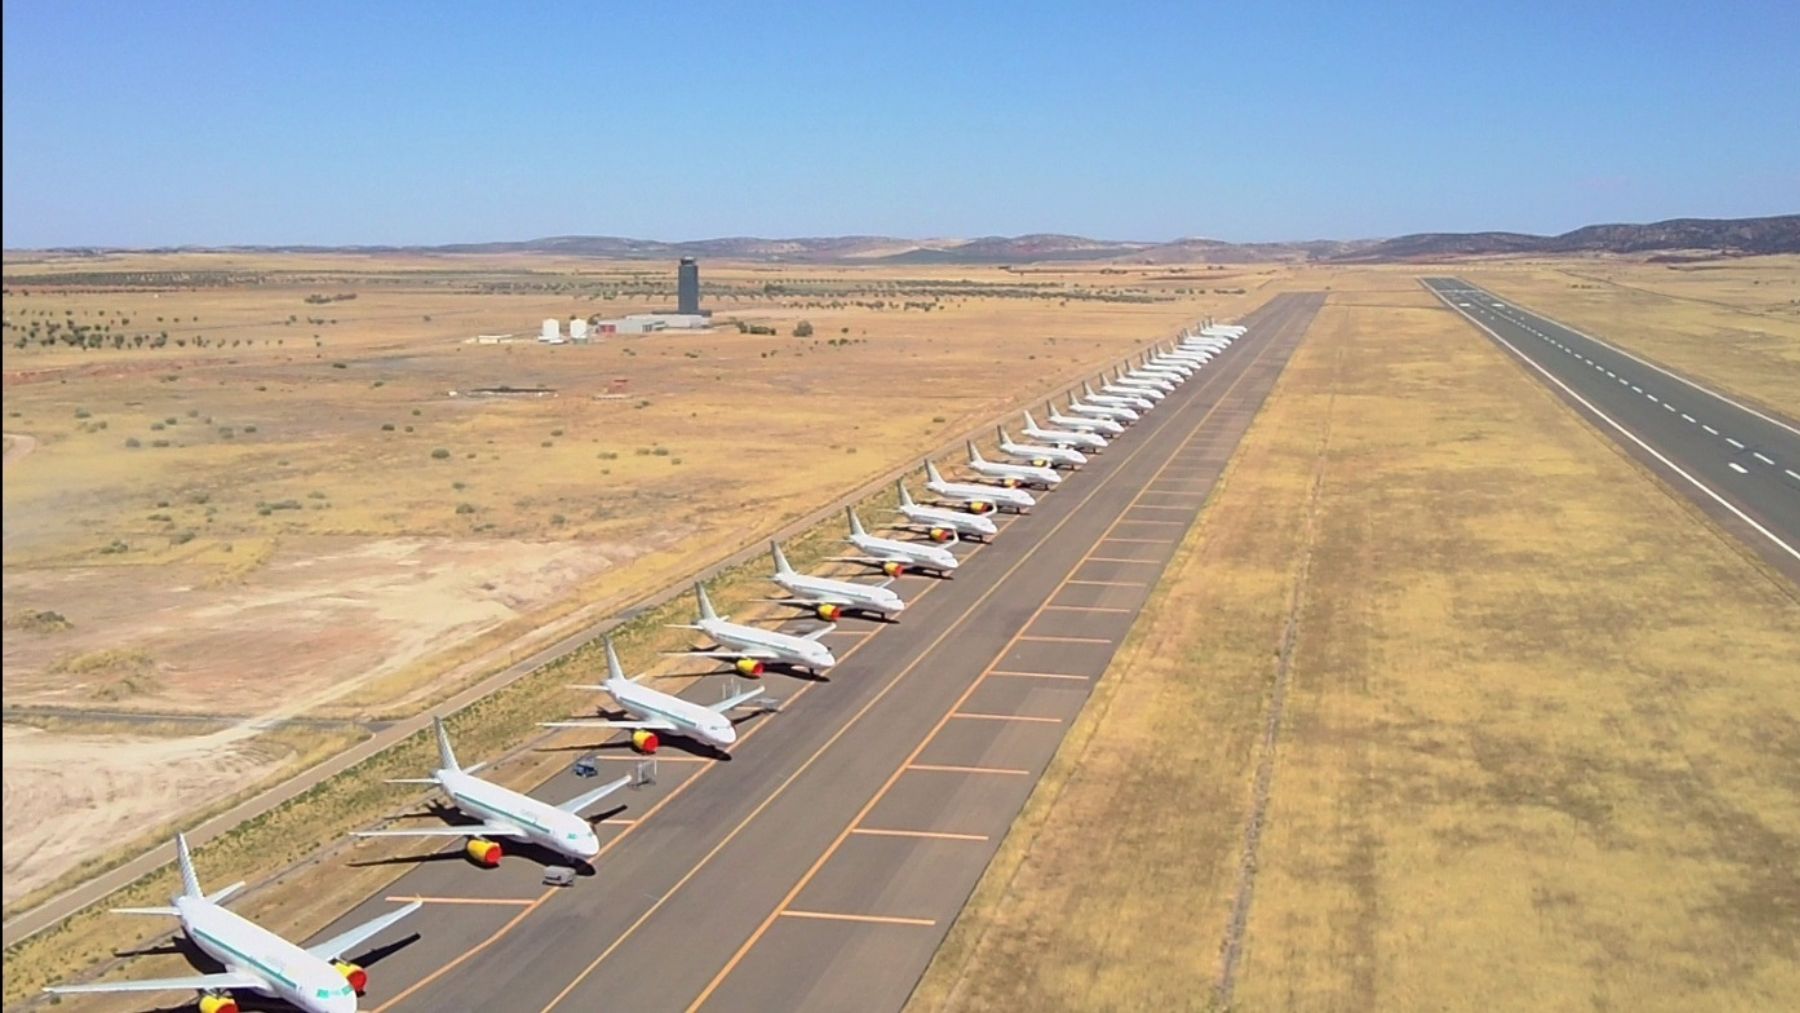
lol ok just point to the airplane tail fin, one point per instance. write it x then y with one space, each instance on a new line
931 471
856 527
1029 421
1000 431
906 499
781 563
190 883
974 454
614 670
446 755
706 605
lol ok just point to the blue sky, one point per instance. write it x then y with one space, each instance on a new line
147 124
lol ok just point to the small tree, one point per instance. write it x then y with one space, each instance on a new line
803 329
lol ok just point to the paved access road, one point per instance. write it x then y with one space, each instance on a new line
1739 464
820 866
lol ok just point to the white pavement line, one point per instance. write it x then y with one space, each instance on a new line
1635 438
1740 469
1734 443
1709 429
1791 473
1668 406
1686 417
1764 458
1635 389
1653 398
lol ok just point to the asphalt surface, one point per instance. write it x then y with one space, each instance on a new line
1739 464
822 863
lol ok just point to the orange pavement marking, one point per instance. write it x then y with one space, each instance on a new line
935 835
943 768
874 919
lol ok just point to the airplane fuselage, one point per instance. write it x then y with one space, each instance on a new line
1113 412
691 719
928 556
968 492
784 646
860 596
1052 455
1065 438
1017 472
543 824
954 520
242 946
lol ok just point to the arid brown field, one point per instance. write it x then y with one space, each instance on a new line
1536 737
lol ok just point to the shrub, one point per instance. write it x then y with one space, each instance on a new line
132 443
387 427
803 329
556 432
159 443
82 413
465 508
182 537
440 454
249 429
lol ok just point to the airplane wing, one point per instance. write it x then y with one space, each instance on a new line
822 598
575 805
736 700
350 939
475 830
655 724
196 982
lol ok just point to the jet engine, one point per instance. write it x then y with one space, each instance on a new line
980 506
829 612
644 740
749 668
217 1002
893 569
356 976
943 535
1039 462
1012 483
483 853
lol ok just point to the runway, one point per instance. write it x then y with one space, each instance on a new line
821 865
1739 464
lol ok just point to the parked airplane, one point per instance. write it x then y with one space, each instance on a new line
1118 388
654 711
1177 369
748 648
1012 474
504 813
829 598
1062 437
942 524
1113 398
316 978
1043 456
895 556
980 498
1134 378
1115 412
1104 422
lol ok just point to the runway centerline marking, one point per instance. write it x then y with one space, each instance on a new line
872 919
932 835
1027 718
1740 469
951 768
1764 458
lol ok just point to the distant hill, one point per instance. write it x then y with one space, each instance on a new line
1776 234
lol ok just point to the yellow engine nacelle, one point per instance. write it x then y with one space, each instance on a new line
893 569
356 976
1012 483
217 1004
749 668
942 535
644 740
829 612
1039 462
483 853
980 506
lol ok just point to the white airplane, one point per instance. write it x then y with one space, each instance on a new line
1012 475
1112 413
895 556
1120 388
1113 398
1135 378
1178 368
1196 359
980 498
1228 331
504 813
1102 423
1043 456
1062 437
316 978
942 524
748 648
829 598
654 711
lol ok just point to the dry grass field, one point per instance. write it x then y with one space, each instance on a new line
1537 739
1733 324
298 517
